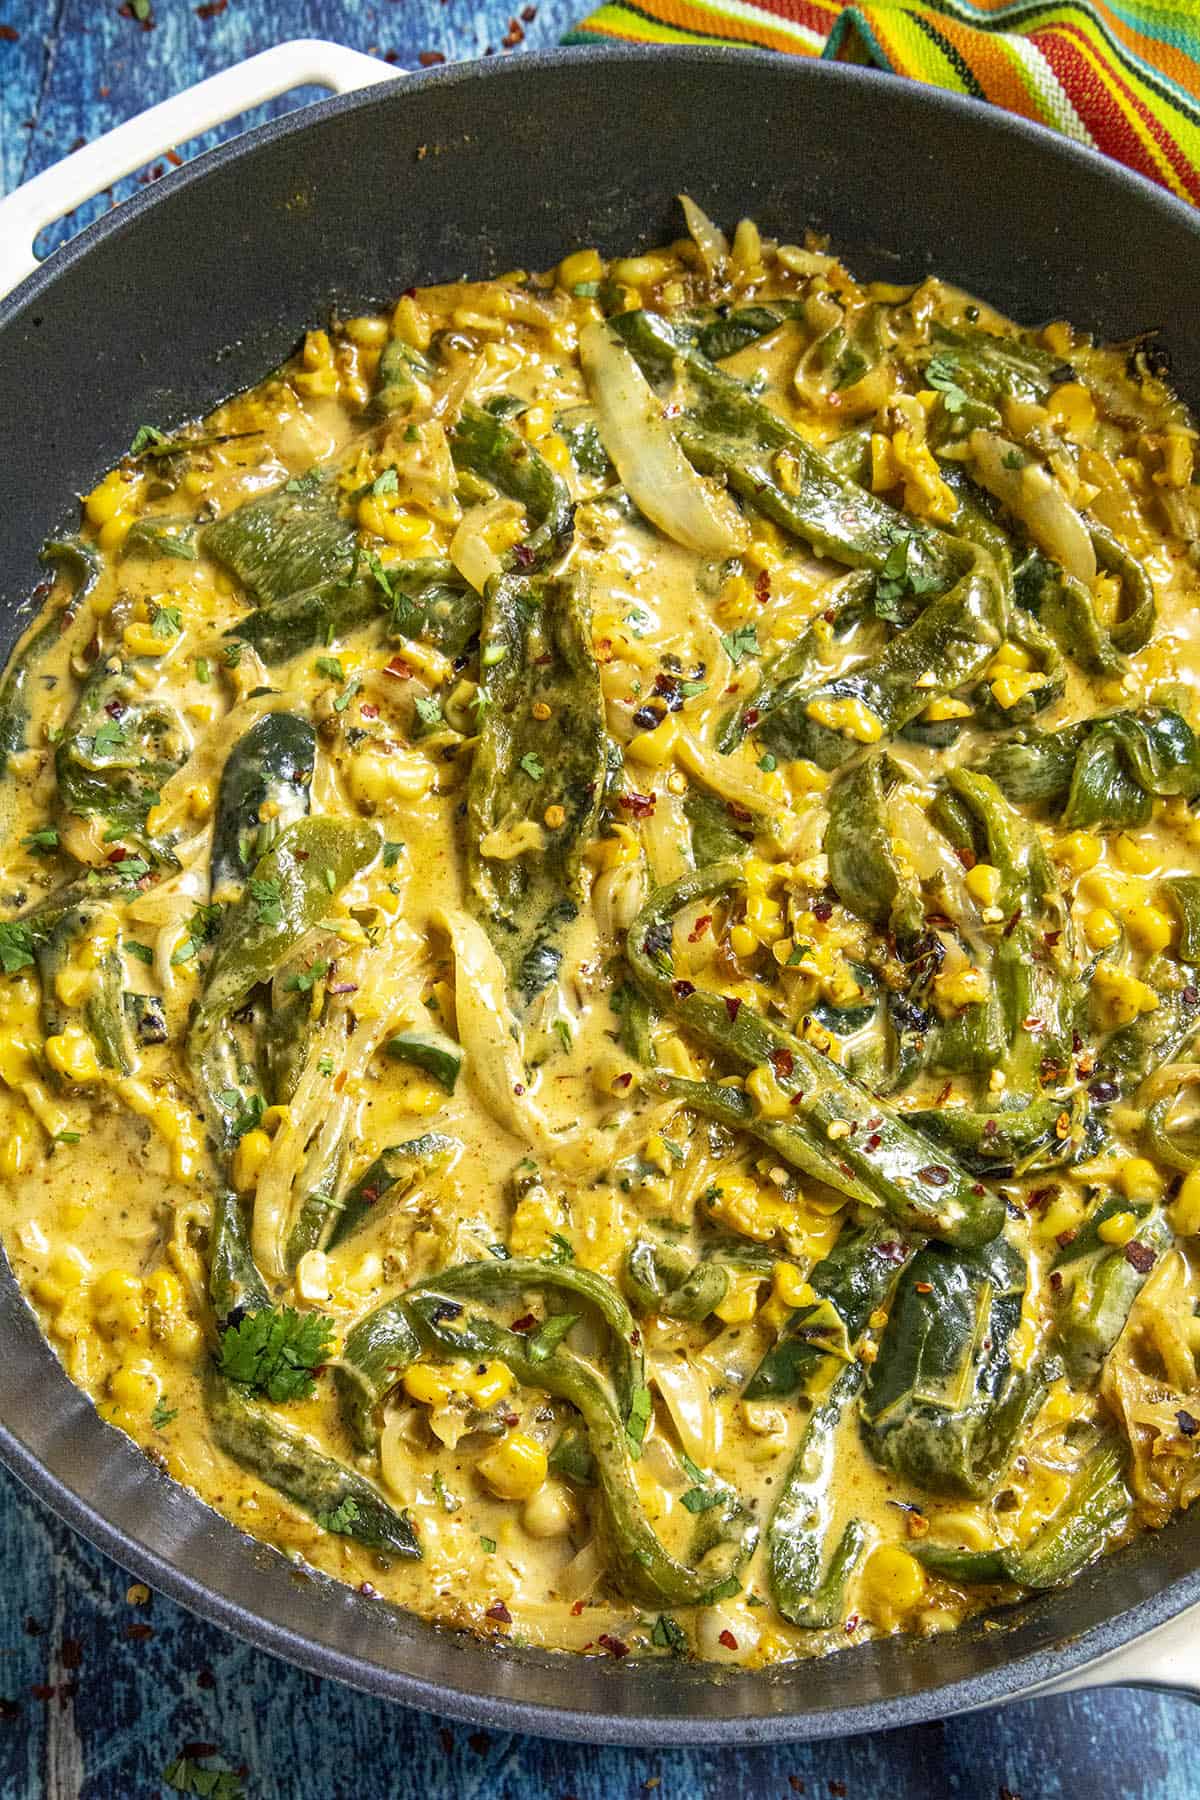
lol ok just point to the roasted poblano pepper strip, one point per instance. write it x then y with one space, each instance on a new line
339 1499
1185 895
659 1278
285 542
863 868
364 1377
432 1051
103 1008
149 538
724 430
715 838
235 1286
944 1404
990 368
431 604
742 326
799 668
1029 1012
536 782
292 889
1065 608
1103 1282
850 1284
118 748
1096 1505
391 1175
638 1562
400 368
16 689
483 444
1042 1134
800 1520
270 768
1175 1143
1103 772
879 1151
1132 632
1155 1038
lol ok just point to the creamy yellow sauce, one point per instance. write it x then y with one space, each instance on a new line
110 1175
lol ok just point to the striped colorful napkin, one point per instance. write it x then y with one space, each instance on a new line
1122 77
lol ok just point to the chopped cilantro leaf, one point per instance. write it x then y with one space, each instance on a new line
331 666
268 901
341 1518
740 643
163 1414
275 1351
392 852
533 766
167 622
43 840
16 947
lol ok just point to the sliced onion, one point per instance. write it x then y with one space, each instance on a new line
641 446
687 1392
470 551
1034 497
709 240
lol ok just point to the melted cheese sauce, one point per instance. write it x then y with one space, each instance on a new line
109 1181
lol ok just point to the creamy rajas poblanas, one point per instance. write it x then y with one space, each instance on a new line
601 951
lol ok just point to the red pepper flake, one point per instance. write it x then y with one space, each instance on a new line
429 59
727 1638
851 1624
1139 1256
499 1612
1050 938
367 1591
576 1609
1068 1237
967 858
518 1088
822 910
1012 924
1187 1424
368 711
529 14
978 1189
615 1647
935 1174
514 35
641 806
683 990
894 1252
733 1006
526 1322
623 1081
782 1061
399 668
762 587
742 814
873 1142
923 1287
699 928
1056 1281
1042 1196
752 717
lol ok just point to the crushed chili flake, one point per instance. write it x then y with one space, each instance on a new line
936 1174
762 587
894 1252
733 1006
212 9
399 668
576 1609
9 34
514 35
727 1638
138 1634
639 805
1056 1281
873 1142
699 928
368 711
1012 924
1139 1256
683 990
614 1645
742 814
967 858
923 1287
527 1322
782 1061
752 717
1063 1238
623 1081
822 910
499 1612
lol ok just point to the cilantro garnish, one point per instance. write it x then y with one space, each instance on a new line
533 766
275 1351
740 643
163 1414
941 373
268 901
167 622
16 947
341 1518
110 737
331 666
44 840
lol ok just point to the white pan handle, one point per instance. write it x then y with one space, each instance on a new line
1167 1659
60 189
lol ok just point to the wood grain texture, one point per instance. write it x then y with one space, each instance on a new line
100 1695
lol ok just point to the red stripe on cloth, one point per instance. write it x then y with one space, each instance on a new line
1111 129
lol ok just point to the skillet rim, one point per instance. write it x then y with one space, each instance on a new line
1021 1677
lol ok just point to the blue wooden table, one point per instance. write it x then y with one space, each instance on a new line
102 1688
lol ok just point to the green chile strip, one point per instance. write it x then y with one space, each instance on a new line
898 1165
271 765
16 687
291 1463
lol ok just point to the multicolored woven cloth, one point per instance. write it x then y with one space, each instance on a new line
1122 77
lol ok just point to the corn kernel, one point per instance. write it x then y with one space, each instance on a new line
804 777
743 940
371 333
70 1266
893 1582
1134 857
849 716
1100 928
492 1385
1184 1211
118 1304
135 1387
967 986
427 1385
1149 927
1139 1179
983 883
1118 1228
516 1468
581 265
770 1100
740 1302
654 748
1079 851
72 1054
790 1287
1121 998
945 708
1009 688
249 1160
